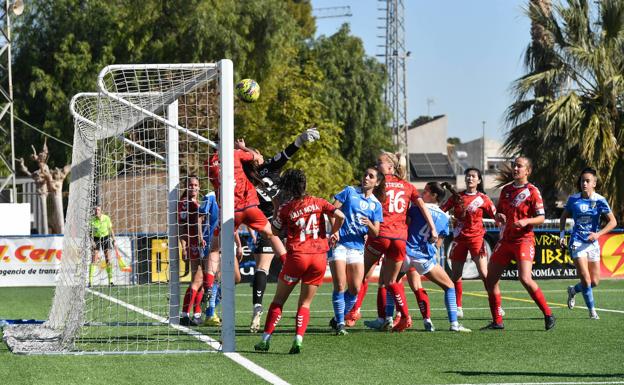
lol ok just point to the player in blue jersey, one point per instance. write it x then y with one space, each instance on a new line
210 261
586 207
421 254
362 207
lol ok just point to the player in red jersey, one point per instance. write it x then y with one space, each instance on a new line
303 220
468 208
391 240
246 203
520 207
190 224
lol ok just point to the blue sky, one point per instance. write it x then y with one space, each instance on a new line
465 55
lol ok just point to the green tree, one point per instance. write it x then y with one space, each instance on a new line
353 95
579 123
61 45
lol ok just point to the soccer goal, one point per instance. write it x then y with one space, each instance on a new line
136 143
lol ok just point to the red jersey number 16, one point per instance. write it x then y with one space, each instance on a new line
308 228
396 203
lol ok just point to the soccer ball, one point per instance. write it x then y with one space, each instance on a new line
248 90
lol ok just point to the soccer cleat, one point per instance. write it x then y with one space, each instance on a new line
404 323
196 321
212 321
388 324
295 348
459 328
571 294
352 317
185 321
374 324
333 324
494 326
255 319
549 322
262 346
428 325
397 319
341 331
460 312
593 314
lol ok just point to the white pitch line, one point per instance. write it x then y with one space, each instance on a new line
244 362
550 383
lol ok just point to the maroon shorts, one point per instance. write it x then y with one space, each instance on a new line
393 249
476 247
192 247
307 268
505 252
252 216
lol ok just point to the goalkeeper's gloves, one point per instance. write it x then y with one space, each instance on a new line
309 135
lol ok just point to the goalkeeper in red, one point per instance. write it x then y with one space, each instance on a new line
520 207
303 219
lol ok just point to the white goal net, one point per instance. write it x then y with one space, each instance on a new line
137 143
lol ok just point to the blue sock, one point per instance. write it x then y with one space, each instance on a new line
350 300
339 306
217 294
212 302
389 303
451 304
588 296
578 287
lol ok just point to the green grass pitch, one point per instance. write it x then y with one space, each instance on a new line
578 350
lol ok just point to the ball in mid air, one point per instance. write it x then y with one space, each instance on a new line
248 90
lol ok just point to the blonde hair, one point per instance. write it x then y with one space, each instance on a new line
398 162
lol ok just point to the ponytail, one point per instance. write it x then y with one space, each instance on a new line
398 162
457 197
438 190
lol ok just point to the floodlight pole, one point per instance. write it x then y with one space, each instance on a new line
7 95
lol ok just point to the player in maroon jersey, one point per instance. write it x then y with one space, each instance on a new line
246 202
468 208
190 224
391 241
303 220
520 207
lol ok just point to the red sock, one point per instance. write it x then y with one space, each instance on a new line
188 308
459 289
273 317
381 301
495 305
303 317
423 303
399 298
187 299
361 295
539 299
198 300
208 280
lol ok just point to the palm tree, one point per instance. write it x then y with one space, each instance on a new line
568 109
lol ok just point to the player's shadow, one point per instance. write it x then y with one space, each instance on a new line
541 374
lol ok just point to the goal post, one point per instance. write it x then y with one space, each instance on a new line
136 144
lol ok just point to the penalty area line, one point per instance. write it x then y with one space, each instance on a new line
551 383
216 345
563 305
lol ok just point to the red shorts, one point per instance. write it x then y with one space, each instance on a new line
307 268
393 249
476 246
251 216
505 252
